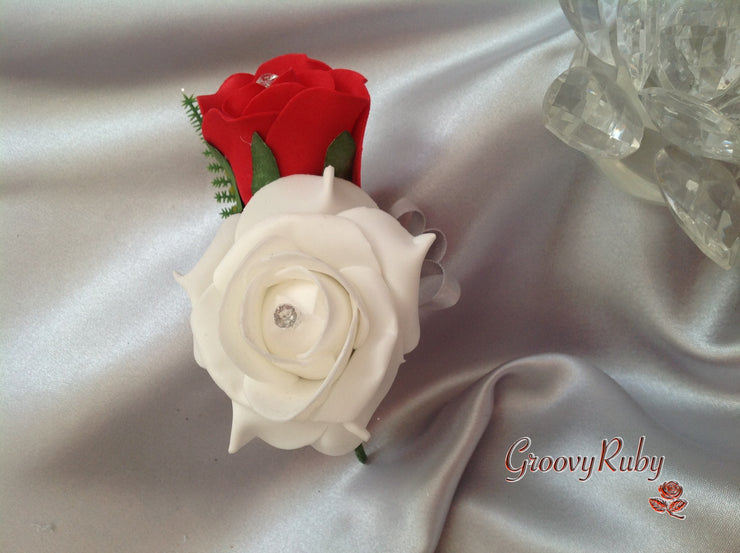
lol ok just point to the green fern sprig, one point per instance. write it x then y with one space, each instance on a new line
192 109
233 210
220 166
224 196
221 182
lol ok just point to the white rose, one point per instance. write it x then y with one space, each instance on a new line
303 307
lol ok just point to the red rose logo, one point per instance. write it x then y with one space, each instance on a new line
670 490
297 105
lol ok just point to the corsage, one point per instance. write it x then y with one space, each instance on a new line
307 300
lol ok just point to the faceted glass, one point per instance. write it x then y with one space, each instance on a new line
705 200
699 46
589 112
637 38
593 21
695 126
731 107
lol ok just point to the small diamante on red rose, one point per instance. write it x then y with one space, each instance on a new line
266 79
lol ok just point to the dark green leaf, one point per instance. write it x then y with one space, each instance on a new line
341 155
264 166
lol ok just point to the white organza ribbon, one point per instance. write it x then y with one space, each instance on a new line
437 288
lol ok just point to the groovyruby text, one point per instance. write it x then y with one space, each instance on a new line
612 457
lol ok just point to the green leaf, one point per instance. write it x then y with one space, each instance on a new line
341 155
264 167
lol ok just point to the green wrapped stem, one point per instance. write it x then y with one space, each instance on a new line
361 455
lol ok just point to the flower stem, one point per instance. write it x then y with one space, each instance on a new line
361 455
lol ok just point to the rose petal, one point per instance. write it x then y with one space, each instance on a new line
306 297
336 241
227 88
211 355
237 104
243 252
307 125
324 315
201 276
281 403
367 368
239 329
243 290
273 98
332 344
351 82
302 194
336 440
246 424
315 78
281 64
400 256
235 137
297 400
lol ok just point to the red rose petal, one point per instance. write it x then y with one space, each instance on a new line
236 105
358 134
316 64
233 138
351 82
208 102
228 87
274 97
309 123
315 79
281 64
283 78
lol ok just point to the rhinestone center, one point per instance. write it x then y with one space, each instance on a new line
285 316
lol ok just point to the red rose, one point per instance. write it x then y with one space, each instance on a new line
670 490
297 105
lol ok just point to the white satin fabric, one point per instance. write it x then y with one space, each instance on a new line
585 315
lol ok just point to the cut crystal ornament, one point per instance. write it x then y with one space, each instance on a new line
731 107
635 174
699 46
266 79
705 200
648 75
637 38
582 57
592 114
285 316
695 126
593 21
